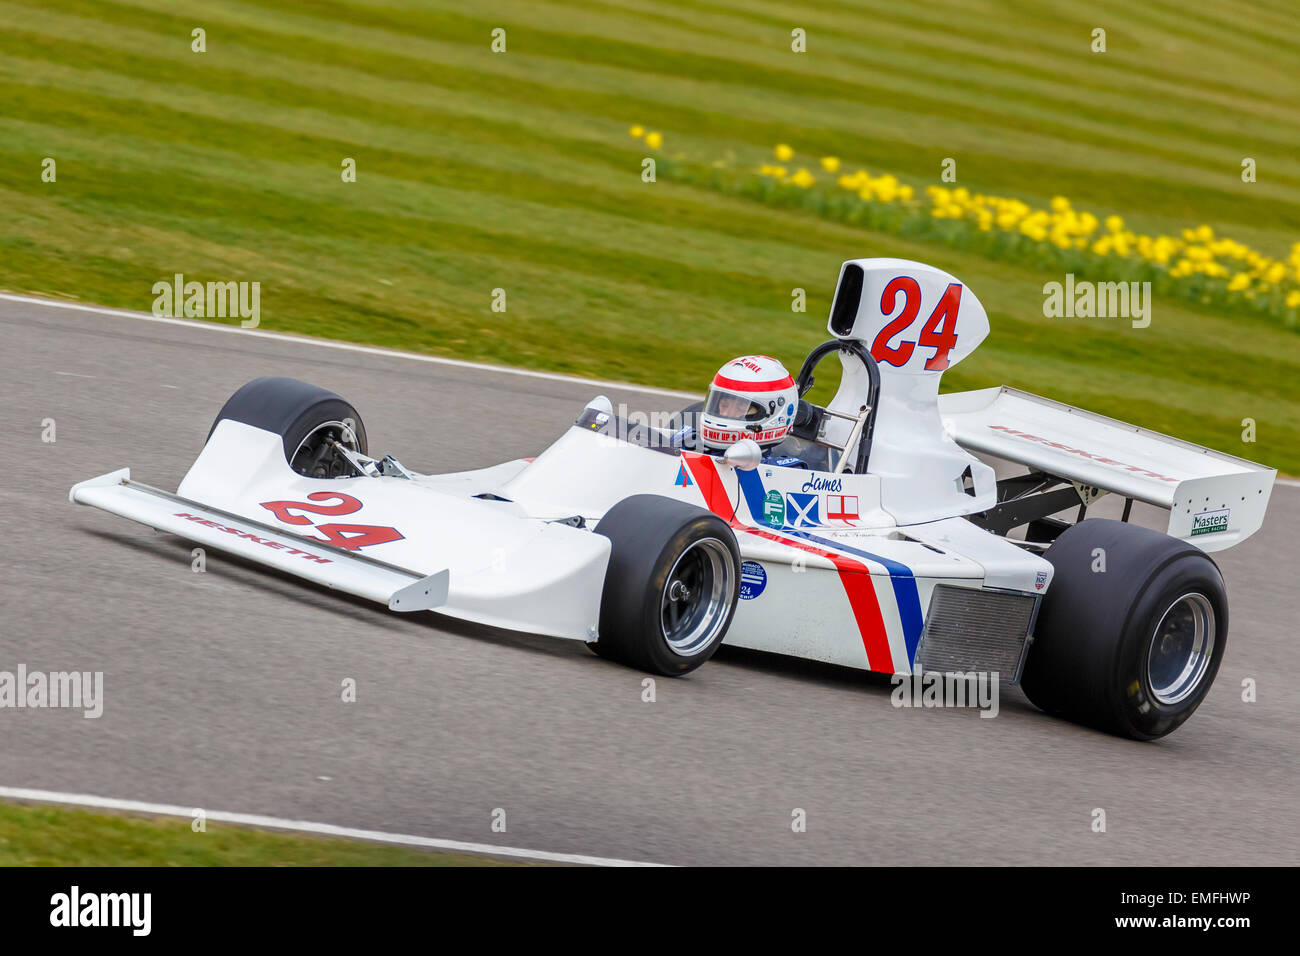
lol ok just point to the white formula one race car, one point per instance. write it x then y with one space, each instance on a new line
902 553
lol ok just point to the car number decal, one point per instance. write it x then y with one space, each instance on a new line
352 537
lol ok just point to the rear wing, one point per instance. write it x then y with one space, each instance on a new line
1214 500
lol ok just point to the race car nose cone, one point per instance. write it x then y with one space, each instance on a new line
745 454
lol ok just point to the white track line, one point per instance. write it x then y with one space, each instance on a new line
346 346
303 826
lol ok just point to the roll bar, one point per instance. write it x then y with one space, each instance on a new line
805 381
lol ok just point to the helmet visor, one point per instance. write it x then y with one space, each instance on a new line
737 408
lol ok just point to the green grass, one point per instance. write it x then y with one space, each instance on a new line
479 171
59 836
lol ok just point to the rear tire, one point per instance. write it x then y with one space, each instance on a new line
1132 650
671 586
306 417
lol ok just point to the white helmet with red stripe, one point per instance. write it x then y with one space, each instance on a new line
751 397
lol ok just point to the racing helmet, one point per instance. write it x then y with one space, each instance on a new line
750 397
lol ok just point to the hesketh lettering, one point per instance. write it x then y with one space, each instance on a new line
248 536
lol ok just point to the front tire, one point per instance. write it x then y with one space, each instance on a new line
671 586
1133 649
308 419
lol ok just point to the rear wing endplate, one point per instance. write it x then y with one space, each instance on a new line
1214 500
316 561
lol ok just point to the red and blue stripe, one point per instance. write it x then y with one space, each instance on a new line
849 561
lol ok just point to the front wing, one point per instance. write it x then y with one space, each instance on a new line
320 563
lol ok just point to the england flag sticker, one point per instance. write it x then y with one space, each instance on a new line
842 508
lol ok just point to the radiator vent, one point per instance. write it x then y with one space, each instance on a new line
976 630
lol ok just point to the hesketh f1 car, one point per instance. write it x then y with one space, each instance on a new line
901 551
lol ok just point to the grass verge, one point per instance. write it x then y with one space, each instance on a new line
38 835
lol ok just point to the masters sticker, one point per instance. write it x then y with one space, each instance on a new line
1209 522
753 579
774 509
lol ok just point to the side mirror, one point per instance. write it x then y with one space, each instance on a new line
745 454
601 404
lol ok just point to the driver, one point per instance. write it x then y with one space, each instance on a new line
751 397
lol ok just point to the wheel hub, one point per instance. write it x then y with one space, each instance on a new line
696 600
316 456
1181 648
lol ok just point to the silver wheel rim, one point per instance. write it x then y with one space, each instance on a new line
696 599
1181 648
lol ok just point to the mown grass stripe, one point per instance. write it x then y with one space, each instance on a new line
988 166
946 67
1010 36
649 59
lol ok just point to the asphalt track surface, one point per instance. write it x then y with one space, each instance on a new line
222 689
